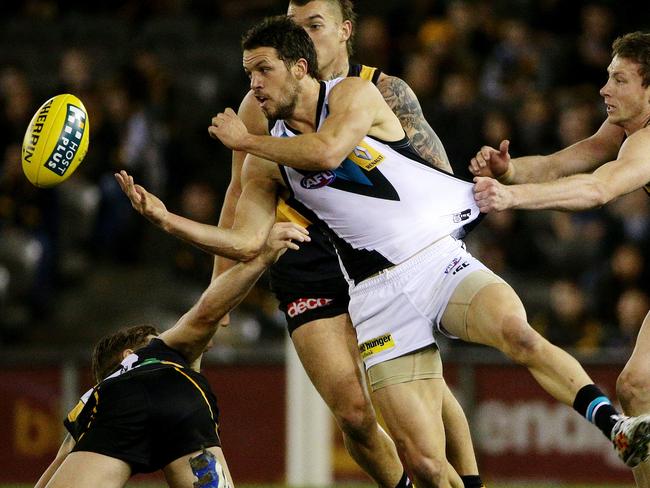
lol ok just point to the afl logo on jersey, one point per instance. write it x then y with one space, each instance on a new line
318 180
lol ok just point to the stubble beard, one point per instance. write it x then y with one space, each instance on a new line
287 105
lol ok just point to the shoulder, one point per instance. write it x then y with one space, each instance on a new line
390 86
640 139
252 116
352 89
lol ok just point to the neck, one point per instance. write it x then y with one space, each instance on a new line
642 122
337 68
304 115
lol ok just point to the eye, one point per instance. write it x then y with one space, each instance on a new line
315 26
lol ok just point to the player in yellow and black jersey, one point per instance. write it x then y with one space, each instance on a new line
151 409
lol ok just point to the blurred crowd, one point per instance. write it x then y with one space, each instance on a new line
152 73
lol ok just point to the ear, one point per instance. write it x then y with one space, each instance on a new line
346 30
300 69
126 352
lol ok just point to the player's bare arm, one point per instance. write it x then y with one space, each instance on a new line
629 172
191 334
66 448
404 103
582 157
356 108
254 120
242 243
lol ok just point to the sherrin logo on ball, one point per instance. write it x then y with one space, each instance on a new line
56 141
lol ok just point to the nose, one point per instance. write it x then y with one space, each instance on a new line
256 81
604 91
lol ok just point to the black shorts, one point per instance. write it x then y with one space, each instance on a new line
302 308
150 418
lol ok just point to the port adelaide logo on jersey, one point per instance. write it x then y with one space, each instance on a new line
318 180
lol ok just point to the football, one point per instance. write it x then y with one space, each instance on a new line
56 141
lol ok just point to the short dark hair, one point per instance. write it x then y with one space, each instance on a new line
635 46
107 353
347 13
289 40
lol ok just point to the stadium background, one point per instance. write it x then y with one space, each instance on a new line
76 261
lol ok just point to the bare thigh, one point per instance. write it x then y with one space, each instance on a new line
329 353
412 412
639 362
179 473
84 469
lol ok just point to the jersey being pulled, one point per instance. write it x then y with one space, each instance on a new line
313 270
383 203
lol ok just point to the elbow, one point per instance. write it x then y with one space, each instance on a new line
251 247
331 162
599 194
330 154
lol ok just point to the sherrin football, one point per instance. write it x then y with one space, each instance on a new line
56 141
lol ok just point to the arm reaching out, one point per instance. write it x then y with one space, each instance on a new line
629 172
193 331
242 243
582 157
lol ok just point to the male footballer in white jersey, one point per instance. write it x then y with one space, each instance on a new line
619 156
345 158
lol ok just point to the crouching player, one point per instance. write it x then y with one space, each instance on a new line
151 409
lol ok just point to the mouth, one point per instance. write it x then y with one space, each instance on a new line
261 99
609 108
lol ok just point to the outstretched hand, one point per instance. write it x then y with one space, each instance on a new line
491 162
144 202
229 129
283 236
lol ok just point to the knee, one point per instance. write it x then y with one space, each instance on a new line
427 470
521 342
633 391
356 419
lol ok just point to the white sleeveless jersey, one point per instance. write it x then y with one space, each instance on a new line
383 204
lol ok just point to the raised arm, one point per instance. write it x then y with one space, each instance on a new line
630 171
356 110
581 157
404 103
191 334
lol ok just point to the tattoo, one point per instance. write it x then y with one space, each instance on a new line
403 102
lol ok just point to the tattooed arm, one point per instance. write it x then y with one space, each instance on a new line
401 99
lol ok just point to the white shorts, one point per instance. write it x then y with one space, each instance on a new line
394 312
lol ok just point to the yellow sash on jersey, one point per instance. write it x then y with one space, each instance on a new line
285 213
367 72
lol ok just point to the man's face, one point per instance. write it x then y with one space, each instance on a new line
626 99
323 22
274 86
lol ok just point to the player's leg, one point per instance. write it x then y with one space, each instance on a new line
85 469
633 390
495 316
409 392
459 446
335 371
200 467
